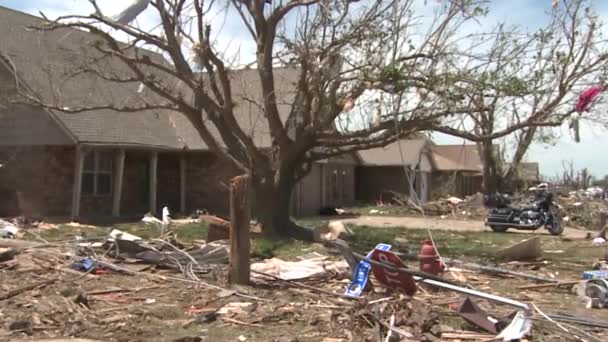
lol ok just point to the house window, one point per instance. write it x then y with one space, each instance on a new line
97 174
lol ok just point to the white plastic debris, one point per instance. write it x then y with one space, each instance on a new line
119 234
131 12
160 225
454 200
8 230
598 241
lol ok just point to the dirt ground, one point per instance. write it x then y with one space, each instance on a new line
436 223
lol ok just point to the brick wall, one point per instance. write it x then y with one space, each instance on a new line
207 180
38 178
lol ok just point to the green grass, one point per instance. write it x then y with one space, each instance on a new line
385 210
478 246
184 232
472 245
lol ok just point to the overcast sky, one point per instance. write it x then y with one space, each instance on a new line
590 152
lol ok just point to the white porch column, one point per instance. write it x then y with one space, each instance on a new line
153 181
119 168
77 186
182 183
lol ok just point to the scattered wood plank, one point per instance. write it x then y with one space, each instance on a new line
539 286
529 249
235 321
20 290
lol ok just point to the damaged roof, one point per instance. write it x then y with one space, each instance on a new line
457 158
401 152
46 62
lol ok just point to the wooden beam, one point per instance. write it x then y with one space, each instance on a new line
153 181
119 170
182 183
77 186
239 230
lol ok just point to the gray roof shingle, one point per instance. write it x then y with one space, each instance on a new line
44 60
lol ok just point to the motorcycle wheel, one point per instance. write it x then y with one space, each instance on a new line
499 229
556 227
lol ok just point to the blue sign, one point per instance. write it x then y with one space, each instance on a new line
361 274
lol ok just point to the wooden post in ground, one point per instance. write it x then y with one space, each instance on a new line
239 230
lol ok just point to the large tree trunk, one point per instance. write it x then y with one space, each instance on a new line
512 174
492 173
271 206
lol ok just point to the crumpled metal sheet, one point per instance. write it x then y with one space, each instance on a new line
518 328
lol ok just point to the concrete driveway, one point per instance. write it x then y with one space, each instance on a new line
445 224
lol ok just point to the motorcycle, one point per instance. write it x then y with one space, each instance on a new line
541 212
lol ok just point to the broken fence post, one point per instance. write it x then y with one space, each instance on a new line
239 230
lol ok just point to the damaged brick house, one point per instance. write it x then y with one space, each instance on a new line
104 162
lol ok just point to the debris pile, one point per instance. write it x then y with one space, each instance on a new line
128 288
583 212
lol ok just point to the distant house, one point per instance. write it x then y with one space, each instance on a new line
528 175
383 172
457 170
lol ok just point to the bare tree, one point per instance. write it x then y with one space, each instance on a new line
527 82
345 53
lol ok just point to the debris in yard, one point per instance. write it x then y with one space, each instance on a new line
120 235
389 278
25 326
84 265
496 270
219 229
7 254
332 230
595 274
529 249
163 225
361 273
454 201
475 315
8 230
598 241
236 308
518 328
294 270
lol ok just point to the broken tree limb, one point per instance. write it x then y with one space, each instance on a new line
239 230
